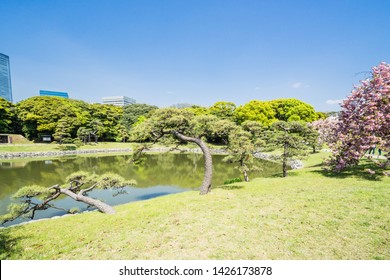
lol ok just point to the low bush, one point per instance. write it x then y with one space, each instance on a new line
231 181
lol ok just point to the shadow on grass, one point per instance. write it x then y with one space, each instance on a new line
229 187
9 246
366 170
290 173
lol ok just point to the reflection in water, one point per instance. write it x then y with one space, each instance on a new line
159 174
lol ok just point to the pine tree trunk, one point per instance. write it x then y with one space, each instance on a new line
246 177
285 160
208 163
284 167
101 206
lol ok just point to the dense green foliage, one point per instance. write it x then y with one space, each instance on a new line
132 113
67 119
223 110
41 115
8 118
62 118
291 109
256 110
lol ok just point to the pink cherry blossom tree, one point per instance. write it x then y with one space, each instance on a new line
326 130
364 120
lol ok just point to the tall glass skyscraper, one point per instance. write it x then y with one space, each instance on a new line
5 78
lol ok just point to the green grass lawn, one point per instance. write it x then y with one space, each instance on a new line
309 215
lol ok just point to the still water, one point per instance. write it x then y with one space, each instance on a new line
158 175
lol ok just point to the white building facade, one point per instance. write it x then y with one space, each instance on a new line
118 100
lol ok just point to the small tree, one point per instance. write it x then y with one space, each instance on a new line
132 112
96 128
287 136
242 148
123 134
35 198
311 136
63 130
84 134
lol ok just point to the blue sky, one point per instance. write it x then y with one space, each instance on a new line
167 52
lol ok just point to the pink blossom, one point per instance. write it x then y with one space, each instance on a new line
364 120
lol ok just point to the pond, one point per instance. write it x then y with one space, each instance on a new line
157 175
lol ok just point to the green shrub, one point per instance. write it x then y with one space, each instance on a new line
78 142
67 140
67 147
231 181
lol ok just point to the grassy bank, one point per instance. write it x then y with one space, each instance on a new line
6 148
309 215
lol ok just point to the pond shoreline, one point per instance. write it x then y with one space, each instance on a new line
13 155
295 164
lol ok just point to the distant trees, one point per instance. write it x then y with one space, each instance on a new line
255 110
41 114
62 118
68 119
104 121
223 110
132 113
8 117
291 109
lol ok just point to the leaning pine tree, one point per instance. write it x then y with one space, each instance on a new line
79 185
178 126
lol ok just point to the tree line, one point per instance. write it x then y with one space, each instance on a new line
67 119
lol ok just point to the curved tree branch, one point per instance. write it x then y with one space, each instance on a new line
208 163
101 206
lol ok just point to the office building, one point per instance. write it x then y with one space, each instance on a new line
118 100
53 93
5 78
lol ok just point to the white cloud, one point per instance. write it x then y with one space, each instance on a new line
333 101
296 85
